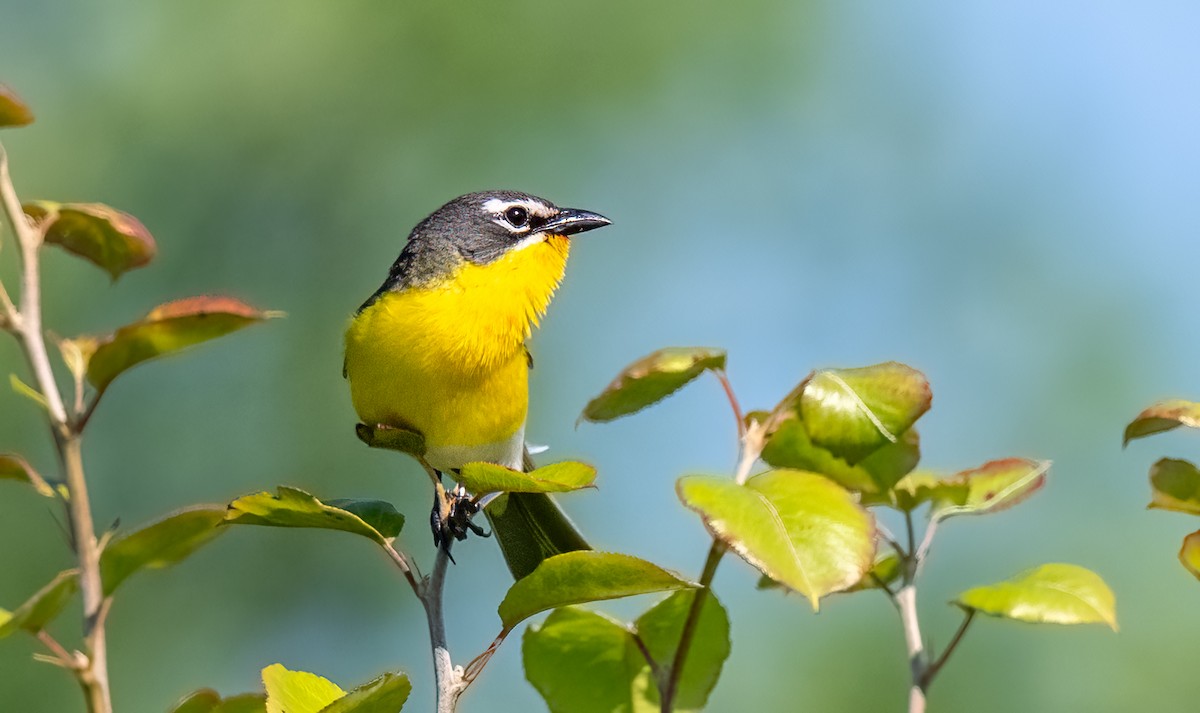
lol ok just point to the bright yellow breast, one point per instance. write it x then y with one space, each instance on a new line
449 360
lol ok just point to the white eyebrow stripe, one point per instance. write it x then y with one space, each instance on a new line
499 205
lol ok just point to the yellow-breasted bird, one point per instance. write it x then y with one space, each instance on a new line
440 349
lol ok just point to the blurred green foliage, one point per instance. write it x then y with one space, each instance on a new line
1001 195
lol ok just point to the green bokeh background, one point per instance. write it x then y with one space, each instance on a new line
1001 194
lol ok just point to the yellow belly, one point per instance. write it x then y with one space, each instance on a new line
449 360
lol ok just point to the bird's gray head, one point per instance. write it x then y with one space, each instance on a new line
484 226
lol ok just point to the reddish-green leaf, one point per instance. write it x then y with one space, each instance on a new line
168 328
108 238
13 111
14 467
991 487
854 412
1189 554
292 507
40 609
583 576
161 544
1163 416
1050 594
798 528
483 478
1175 485
651 379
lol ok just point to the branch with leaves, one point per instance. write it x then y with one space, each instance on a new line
839 446
115 242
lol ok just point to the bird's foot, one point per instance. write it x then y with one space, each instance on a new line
450 519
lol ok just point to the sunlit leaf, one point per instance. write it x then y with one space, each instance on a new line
651 379
583 662
40 609
202 701
391 438
789 446
583 576
168 328
1189 554
111 239
297 691
854 412
483 478
1163 416
164 543
991 487
1051 594
14 467
385 694
379 514
13 111
798 528
660 629
1175 485
293 507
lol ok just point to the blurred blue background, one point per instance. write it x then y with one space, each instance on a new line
1003 195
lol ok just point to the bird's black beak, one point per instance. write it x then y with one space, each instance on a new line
569 221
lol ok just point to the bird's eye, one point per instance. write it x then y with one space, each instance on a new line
517 216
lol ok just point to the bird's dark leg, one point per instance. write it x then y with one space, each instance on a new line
450 518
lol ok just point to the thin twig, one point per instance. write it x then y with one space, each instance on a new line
93 676
936 666
402 562
667 697
448 677
926 542
61 656
733 402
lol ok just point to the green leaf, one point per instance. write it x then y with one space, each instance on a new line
297 691
385 694
108 238
798 528
789 446
161 544
40 609
391 438
379 514
651 379
1175 485
293 507
27 391
993 486
583 576
14 467
583 662
166 329
660 629
13 111
854 412
208 701
483 478
1163 416
202 701
1052 594
1189 554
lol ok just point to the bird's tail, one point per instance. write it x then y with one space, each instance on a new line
531 527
